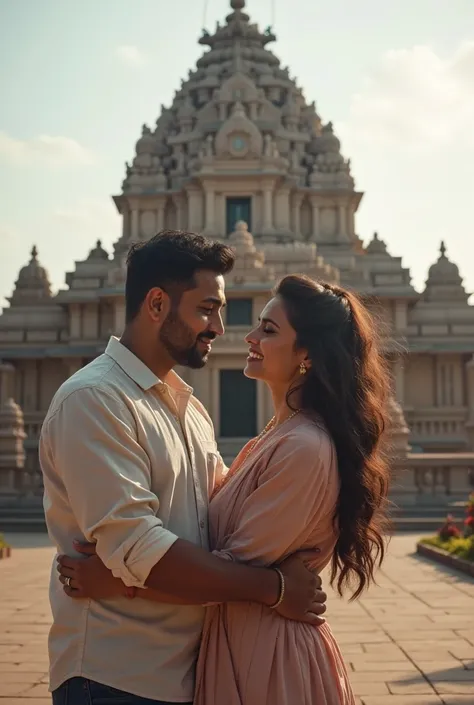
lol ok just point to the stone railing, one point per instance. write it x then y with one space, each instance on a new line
437 426
431 478
33 420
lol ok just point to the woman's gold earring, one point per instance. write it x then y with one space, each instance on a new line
303 369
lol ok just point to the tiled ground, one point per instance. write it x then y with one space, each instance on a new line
409 641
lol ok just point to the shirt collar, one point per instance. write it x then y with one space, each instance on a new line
140 373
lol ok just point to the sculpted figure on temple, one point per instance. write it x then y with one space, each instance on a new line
267 146
209 148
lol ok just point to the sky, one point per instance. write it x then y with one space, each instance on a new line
78 80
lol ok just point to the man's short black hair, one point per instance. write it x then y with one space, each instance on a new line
169 260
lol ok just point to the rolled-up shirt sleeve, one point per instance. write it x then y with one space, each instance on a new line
91 444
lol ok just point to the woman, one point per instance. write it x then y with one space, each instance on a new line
314 477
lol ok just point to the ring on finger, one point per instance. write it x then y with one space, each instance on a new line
67 582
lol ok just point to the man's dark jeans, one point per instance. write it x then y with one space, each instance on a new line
81 691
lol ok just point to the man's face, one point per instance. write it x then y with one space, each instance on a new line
190 327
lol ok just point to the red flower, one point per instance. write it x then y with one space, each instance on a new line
449 529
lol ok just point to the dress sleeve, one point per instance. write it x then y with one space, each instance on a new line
278 517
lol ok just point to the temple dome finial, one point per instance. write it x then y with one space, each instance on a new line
376 246
444 281
444 271
98 253
33 283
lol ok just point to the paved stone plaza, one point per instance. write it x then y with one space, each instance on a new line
410 641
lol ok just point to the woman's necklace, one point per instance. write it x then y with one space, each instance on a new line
269 427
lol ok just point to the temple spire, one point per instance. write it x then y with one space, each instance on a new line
237 59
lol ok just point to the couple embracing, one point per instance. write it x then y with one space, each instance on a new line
182 581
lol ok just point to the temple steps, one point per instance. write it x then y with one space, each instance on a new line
426 518
27 516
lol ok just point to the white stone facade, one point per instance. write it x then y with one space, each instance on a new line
241 156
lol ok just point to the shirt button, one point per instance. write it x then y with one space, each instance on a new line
202 524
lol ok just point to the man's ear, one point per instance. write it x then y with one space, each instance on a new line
157 304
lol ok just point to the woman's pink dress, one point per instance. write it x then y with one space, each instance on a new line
278 500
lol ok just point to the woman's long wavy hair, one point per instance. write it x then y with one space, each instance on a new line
346 386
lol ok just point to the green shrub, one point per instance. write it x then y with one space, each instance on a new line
457 545
3 543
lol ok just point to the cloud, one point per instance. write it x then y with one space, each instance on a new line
44 150
7 236
95 219
130 55
15 253
416 99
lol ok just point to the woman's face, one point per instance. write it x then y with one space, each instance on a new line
272 354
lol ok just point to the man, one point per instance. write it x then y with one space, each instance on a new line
129 460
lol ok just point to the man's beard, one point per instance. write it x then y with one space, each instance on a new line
181 343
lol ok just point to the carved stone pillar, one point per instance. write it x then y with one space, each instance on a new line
316 220
397 432
12 436
195 209
351 218
119 317
267 209
126 224
160 216
296 214
180 206
135 225
283 210
470 402
400 315
403 476
343 223
210 211
399 380
7 372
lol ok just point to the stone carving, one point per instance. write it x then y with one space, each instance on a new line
146 143
300 189
397 432
291 113
186 114
13 479
180 160
295 160
146 173
206 152
12 437
238 124
237 86
250 264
